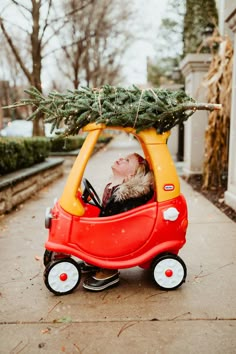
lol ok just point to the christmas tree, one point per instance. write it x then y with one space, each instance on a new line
113 106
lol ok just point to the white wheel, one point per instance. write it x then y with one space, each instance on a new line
169 272
62 276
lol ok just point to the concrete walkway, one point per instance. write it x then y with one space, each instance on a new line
135 317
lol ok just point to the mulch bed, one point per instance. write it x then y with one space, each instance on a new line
214 195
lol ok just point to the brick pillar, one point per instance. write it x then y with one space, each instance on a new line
230 194
194 67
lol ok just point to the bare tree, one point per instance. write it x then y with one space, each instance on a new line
36 33
93 42
88 38
11 73
113 37
73 39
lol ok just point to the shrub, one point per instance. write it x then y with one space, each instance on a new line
73 142
66 144
17 153
104 139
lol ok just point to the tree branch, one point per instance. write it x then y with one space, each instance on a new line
46 21
13 24
21 5
55 32
74 11
15 51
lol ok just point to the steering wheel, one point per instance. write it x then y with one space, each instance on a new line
89 191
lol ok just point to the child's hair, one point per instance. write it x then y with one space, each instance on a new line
143 167
144 171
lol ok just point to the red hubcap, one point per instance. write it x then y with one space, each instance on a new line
169 273
63 277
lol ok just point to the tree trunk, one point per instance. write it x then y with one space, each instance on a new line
38 127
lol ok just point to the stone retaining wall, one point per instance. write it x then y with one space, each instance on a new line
18 186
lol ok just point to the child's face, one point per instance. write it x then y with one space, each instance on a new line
125 167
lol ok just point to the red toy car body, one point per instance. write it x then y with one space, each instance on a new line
149 236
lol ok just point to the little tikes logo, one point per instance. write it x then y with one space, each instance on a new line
169 187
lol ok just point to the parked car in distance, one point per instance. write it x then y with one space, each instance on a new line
18 127
23 128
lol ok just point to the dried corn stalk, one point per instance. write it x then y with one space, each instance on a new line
219 82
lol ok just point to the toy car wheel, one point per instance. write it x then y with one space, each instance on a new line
50 256
62 276
169 271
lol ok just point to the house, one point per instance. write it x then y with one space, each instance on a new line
194 68
229 15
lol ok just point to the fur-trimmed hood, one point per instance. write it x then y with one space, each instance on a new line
135 187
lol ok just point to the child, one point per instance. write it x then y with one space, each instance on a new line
131 185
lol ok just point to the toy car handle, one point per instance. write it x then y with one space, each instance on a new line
89 191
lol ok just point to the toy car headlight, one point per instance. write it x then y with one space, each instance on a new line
171 214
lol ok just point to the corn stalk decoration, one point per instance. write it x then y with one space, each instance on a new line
114 106
219 83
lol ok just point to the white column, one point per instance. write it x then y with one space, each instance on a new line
230 194
194 67
1 117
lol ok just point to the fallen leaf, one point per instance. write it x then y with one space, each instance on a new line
41 345
37 258
63 320
46 330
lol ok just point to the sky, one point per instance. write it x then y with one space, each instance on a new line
150 14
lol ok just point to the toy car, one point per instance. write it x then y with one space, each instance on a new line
149 236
